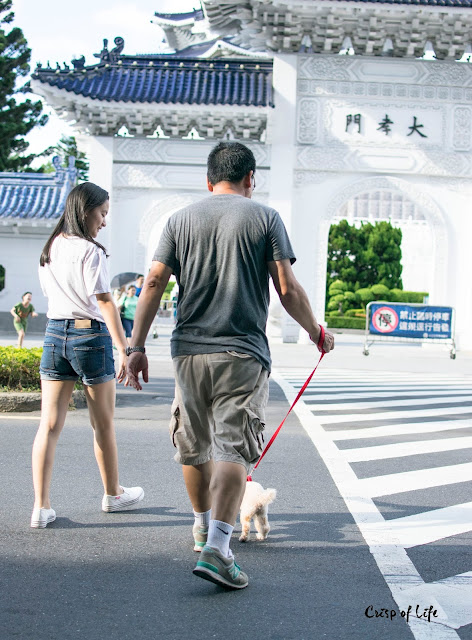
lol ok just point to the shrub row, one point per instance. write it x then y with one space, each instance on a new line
19 369
344 322
342 300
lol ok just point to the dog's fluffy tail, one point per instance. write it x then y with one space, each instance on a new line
266 497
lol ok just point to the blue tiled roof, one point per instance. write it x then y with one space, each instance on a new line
35 196
169 80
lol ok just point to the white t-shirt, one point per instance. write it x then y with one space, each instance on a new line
77 271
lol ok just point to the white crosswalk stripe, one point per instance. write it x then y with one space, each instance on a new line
358 420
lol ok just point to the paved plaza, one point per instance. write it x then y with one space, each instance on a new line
372 517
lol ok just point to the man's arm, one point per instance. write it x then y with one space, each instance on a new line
148 304
295 301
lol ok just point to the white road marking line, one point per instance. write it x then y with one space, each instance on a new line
424 528
425 394
324 375
455 594
409 413
364 382
396 567
387 485
404 449
400 429
377 404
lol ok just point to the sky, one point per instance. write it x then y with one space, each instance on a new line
59 30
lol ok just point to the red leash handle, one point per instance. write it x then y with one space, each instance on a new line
269 444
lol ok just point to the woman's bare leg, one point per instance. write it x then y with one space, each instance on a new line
101 405
55 398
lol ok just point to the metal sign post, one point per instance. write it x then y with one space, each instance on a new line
399 322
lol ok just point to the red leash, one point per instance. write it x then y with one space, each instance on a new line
269 444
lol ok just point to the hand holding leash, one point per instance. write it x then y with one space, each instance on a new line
325 342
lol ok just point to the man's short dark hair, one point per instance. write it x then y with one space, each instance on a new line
229 162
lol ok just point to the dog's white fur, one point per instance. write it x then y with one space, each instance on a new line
254 505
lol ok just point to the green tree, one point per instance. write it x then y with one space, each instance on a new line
364 256
17 117
66 147
343 247
379 260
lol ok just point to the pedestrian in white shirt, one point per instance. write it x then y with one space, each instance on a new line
82 322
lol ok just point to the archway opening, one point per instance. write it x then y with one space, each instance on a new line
402 212
407 230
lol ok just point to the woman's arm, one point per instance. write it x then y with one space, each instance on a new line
112 320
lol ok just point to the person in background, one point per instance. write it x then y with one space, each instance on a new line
20 313
139 284
222 251
118 294
82 322
127 306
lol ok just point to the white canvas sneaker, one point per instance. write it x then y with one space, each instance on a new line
125 501
42 517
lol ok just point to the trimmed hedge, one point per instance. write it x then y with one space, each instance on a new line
344 322
397 295
19 369
355 313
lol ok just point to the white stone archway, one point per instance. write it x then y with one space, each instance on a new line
429 208
153 222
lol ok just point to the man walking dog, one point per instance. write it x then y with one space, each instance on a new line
222 251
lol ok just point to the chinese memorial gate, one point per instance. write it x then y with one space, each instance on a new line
356 110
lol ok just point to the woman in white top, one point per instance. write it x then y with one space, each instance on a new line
83 320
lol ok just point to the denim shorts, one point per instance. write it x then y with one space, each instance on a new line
70 353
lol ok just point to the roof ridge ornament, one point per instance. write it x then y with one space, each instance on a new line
113 55
78 63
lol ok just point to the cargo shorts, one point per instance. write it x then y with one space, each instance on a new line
219 408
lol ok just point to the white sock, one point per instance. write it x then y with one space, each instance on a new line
219 536
202 519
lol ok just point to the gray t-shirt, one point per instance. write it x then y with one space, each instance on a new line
218 249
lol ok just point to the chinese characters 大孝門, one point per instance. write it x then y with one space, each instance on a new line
354 120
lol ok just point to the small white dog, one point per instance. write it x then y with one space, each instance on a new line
254 505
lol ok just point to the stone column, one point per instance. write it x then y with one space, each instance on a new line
100 155
282 139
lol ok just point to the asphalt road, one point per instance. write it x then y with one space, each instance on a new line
94 575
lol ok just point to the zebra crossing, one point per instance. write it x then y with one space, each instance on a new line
399 446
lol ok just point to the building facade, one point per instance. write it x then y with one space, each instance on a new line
357 110
30 205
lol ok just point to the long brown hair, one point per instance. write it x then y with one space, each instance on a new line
80 201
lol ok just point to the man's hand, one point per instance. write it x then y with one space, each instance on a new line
136 362
328 344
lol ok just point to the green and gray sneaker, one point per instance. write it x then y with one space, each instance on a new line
200 535
213 566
